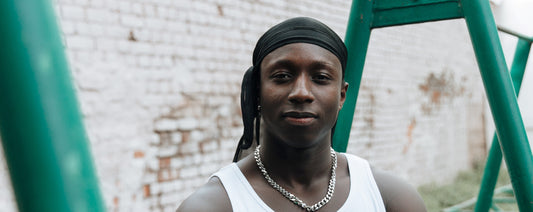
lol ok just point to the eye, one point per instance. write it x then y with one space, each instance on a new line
281 76
322 78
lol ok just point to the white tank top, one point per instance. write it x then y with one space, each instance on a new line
364 193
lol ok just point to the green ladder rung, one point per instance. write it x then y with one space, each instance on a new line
507 189
517 34
400 12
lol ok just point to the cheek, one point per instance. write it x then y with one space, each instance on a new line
333 101
333 93
270 96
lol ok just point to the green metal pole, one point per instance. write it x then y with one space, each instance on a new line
43 137
502 99
490 176
494 160
357 38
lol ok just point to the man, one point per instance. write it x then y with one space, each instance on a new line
296 86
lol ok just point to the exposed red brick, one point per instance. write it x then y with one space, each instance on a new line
162 176
164 163
170 175
138 154
146 189
202 147
185 136
115 201
165 138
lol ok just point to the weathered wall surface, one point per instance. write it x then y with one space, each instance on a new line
159 81
421 100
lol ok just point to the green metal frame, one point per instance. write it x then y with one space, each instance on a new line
486 200
369 14
494 159
43 137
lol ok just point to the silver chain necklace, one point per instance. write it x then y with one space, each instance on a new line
291 197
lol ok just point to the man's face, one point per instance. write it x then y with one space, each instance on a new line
302 92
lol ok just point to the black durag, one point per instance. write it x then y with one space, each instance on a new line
294 30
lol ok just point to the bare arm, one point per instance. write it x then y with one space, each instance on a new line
210 197
398 195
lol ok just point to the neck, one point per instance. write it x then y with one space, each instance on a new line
296 166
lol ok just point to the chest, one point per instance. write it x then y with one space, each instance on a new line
277 202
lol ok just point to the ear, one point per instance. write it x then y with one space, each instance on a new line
344 89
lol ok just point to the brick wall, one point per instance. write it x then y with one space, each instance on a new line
159 81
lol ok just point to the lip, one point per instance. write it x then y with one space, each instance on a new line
299 117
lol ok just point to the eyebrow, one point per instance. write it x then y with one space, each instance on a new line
323 65
318 64
281 63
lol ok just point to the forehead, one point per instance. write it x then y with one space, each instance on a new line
301 53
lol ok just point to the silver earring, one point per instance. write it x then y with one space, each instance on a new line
259 108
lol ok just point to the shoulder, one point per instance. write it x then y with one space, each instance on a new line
213 192
397 195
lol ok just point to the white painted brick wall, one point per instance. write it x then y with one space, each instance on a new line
7 199
159 82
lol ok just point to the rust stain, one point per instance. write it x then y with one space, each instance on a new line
410 129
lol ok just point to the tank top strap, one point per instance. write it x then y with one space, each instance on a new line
241 194
364 193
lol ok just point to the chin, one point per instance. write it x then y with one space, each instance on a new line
301 142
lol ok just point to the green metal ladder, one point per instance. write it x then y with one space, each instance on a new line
43 137
370 14
486 199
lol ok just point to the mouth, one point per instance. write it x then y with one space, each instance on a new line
299 118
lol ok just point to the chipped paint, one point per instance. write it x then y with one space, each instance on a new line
410 129
439 89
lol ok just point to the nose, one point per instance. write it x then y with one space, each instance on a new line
301 92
